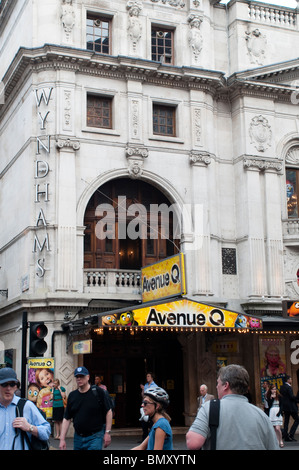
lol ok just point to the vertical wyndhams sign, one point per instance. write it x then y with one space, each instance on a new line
41 241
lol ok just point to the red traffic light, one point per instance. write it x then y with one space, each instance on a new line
41 331
37 345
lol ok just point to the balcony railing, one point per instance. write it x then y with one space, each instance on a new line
291 230
113 281
277 16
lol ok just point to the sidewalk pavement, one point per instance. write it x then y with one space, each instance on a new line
126 439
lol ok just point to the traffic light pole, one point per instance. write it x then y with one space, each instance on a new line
24 354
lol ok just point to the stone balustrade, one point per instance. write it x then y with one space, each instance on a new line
271 15
112 281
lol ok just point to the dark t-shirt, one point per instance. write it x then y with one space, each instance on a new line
87 412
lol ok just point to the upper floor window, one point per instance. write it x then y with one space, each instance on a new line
164 120
98 34
99 111
292 188
162 45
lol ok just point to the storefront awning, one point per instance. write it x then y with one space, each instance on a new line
181 313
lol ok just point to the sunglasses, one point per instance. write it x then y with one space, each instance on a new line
8 384
147 403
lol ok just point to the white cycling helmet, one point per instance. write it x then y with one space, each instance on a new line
158 394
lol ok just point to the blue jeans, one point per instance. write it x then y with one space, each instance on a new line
93 442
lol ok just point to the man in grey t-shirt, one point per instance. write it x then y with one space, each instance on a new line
242 426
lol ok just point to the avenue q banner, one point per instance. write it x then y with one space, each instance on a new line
180 313
163 279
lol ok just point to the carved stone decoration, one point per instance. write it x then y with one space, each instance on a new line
67 110
135 156
256 46
200 158
195 37
197 125
173 3
67 17
67 144
135 118
260 133
134 26
292 156
262 164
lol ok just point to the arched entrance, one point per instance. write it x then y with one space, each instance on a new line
129 224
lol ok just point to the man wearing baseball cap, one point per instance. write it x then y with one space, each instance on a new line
87 406
31 422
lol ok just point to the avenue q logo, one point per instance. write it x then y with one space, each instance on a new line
182 313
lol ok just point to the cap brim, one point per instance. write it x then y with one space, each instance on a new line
4 381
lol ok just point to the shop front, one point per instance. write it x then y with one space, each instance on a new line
182 342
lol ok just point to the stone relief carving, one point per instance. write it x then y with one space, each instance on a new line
256 45
173 3
134 26
292 156
135 117
67 118
67 143
195 37
260 133
197 125
200 158
67 17
136 156
262 164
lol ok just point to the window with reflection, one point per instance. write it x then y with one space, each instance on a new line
98 32
162 45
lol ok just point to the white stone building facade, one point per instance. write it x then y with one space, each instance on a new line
227 79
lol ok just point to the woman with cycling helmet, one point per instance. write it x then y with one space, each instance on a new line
160 436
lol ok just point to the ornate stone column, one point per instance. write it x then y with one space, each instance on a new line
264 239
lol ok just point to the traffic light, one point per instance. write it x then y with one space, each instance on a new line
37 344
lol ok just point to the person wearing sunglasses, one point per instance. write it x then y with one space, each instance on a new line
154 404
31 422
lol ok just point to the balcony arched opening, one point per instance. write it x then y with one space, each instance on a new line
129 224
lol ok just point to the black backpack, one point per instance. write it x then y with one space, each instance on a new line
34 443
214 421
97 391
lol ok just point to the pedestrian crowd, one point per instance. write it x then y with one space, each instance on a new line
90 409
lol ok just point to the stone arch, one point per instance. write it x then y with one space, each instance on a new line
149 177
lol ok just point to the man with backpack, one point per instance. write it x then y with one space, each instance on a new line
240 425
90 408
17 430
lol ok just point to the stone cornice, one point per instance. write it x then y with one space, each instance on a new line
268 73
83 61
54 57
